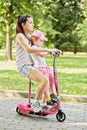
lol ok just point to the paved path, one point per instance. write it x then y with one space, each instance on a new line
9 120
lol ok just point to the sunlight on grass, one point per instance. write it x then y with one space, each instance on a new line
12 80
72 74
73 83
69 83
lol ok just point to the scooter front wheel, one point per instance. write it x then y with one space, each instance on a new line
60 116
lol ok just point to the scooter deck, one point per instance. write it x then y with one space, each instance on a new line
24 108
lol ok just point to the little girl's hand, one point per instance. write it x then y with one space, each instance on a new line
56 51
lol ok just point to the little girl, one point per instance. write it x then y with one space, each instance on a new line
37 40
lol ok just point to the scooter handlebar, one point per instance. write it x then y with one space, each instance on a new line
57 53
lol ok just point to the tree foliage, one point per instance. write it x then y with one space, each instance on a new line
10 9
58 19
83 30
68 14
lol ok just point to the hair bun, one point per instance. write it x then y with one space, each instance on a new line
19 17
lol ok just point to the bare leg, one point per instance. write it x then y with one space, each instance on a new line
46 95
36 75
44 98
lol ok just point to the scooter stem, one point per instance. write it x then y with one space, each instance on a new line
56 76
29 91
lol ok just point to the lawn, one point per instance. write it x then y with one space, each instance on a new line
72 74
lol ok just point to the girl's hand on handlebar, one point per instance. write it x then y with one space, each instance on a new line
55 51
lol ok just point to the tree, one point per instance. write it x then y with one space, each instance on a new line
8 36
83 30
10 9
68 14
6 23
58 19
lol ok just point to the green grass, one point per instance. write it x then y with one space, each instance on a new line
73 83
72 75
69 62
69 83
12 80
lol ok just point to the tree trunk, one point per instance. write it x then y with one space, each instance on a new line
8 44
8 36
75 49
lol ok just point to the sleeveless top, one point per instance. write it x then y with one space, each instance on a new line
22 56
37 60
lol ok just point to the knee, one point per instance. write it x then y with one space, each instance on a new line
45 81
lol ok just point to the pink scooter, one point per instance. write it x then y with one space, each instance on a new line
26 108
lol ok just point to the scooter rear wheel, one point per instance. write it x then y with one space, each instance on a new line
17 110
60 116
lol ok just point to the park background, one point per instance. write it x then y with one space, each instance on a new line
64 22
